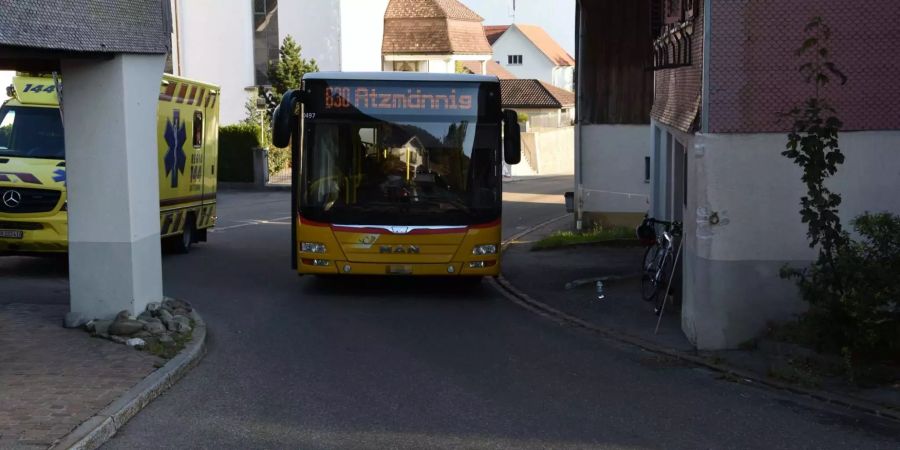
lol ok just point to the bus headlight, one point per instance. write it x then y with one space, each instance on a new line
312 247
487 249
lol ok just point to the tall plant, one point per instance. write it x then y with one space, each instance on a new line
813 143
287 72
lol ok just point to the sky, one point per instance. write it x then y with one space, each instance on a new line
557 17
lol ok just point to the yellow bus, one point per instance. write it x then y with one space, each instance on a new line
397 173
33 207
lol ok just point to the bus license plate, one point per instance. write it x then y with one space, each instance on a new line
11 234
395 269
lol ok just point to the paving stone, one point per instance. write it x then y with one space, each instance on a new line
54 378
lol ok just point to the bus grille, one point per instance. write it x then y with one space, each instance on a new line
25 201
20 226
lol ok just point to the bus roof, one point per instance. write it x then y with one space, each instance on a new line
401 76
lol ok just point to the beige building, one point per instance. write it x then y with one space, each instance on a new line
432 36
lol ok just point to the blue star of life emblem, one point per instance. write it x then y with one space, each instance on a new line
175 157
59 176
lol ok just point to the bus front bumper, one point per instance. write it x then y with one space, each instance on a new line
309 266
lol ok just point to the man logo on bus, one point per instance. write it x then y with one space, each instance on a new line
410 249
175 157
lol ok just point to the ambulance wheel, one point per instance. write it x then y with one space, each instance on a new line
183 242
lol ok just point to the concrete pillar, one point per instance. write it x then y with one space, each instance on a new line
109 111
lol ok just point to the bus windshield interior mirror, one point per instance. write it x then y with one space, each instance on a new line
512 137
282 119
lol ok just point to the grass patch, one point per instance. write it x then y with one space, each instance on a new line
168 352
620 235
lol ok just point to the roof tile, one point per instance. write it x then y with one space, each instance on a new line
493 32
492 69
444 9
534 94
432 26
108 26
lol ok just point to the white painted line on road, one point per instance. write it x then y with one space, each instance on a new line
251 222
533 198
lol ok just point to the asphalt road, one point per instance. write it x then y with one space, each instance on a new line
400 363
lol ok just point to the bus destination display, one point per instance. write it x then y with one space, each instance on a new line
389 100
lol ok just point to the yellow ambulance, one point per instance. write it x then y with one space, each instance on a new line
33 208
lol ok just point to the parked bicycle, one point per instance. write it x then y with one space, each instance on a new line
659 259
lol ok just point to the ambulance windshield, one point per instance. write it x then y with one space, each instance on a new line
28 132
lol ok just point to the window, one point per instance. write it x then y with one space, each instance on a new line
31 133
646 169
408 66
514 60
198 129
6 129
265 38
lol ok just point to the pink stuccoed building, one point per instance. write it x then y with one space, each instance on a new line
698 117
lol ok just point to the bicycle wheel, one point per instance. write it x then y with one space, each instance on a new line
662 292
651 273
650 258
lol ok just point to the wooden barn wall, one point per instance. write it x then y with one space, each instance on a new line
615 83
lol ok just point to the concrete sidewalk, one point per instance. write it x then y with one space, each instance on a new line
52 379
562 280
546 274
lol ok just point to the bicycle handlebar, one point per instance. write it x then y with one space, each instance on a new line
667 224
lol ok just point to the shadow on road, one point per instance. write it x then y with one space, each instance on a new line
399 288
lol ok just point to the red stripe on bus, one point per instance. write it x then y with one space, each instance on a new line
495 223
170 89
305 221
200 97
181 94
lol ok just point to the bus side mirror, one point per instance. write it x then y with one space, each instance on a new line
283 119
512 137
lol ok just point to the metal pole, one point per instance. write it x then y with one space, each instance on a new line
662 309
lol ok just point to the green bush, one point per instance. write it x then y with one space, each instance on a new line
279 159
236 144
854 300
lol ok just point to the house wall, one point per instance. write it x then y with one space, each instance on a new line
316 26
432 63
226 25
731 287
6 77
563 77
614 96
362 29
611 166
753 65
535 65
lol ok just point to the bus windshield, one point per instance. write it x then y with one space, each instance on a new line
401 173
31 133
400 153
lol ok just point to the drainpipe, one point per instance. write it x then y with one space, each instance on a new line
579 95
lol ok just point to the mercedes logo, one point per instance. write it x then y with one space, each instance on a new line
12 199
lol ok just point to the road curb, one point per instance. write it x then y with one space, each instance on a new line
101 427
510 292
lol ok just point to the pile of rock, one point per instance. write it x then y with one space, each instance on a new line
160 323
